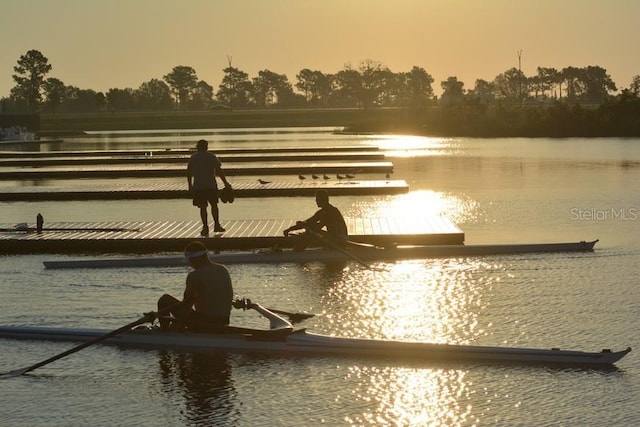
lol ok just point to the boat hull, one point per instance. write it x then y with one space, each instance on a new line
327 255
301 342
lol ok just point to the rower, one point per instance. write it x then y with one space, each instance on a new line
327 217
207 299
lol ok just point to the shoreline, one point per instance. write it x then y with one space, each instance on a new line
559 121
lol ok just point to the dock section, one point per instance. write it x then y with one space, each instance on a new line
173 171
169 152
172 236
149 158
174 190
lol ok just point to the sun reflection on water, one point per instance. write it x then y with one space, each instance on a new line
438 300
427 300
413 207
432 300
410 146
409 396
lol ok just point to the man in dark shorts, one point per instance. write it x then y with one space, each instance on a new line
329 217
208 296
202 170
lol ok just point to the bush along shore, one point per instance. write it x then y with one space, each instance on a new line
616 119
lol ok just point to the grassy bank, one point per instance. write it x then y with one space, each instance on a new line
615 119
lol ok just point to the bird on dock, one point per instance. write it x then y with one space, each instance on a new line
314 176
301 177
350 176
325 177
263 182
339 176
388 175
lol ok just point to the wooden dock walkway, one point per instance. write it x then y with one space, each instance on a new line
148 159
172 236
168 152
175 190
172 171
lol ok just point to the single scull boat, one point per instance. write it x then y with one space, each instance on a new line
286 341
328 255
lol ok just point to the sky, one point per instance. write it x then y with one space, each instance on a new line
103 44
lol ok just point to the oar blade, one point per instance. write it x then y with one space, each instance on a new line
13 374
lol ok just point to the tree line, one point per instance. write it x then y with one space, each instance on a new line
371 84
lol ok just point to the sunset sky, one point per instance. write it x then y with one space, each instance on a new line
102 44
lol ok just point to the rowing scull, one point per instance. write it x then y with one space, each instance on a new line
327 255
285 342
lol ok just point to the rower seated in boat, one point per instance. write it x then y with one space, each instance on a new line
327 223
208 296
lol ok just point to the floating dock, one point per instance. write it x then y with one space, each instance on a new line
173 190
155 163
172 236
171 171
149 158
183 151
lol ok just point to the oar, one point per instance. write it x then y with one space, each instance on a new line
337 247
91 229
147 318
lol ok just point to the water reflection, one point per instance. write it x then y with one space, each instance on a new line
427 300
410 146
424 300
413 207
407 396
204 380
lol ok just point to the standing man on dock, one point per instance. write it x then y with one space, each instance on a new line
202 170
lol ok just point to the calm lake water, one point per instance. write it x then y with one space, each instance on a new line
496 190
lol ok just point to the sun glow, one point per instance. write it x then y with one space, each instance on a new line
436 300
408 396
409 146
430 301
413 207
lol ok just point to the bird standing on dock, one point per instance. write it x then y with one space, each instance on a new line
325 177
314 176
350 176
302 177
340 177
263 182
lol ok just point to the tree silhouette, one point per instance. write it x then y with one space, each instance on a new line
235 88
370 85
182 80
30 72
55 92
154 95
